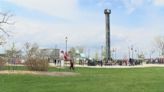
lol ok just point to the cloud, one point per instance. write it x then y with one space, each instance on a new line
159 2
141 37
58 8
49 35
86 30
132 5
129 5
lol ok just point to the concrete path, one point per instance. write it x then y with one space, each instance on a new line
117 66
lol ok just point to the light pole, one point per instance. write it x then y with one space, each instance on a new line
151 53
88 53
132 51
66 39
136 53
129 52
102 52
114 53
107 13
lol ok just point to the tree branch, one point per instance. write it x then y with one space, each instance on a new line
4 31
5 17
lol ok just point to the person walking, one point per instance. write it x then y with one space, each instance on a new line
71 59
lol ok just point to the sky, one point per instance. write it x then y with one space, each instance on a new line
47 22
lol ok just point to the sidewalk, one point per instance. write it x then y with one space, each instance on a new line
117 66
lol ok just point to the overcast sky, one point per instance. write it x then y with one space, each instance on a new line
48 22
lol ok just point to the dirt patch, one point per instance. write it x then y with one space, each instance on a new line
40 73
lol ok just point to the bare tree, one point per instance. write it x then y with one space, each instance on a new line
5 20
34 60
31 50
13 52
160 44
96 56
80 49
73 51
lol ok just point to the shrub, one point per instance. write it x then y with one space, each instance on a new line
2 63
36 64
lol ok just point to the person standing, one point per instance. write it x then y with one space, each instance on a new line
62 58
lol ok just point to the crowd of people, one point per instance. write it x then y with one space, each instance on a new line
68 57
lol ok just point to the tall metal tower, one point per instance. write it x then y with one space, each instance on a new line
107 13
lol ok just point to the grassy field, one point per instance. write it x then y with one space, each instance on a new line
89 80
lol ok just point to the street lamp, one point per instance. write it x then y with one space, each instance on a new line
114 53
132 51
151 53
129 52
66 38
102 52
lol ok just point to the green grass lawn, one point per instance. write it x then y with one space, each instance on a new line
89 80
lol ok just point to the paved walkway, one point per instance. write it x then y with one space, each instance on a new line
117 66
113 66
